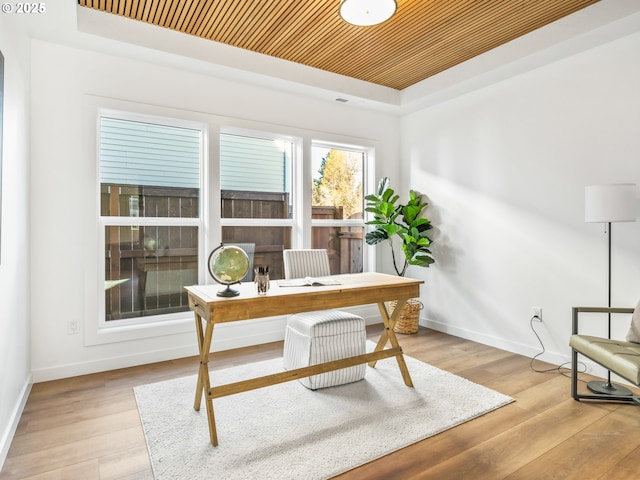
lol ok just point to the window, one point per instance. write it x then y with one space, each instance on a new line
157 224
262 213
150 215
337 205
256 198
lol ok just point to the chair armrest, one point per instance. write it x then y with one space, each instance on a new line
577 310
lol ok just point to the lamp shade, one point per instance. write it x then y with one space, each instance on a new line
365 13
610 203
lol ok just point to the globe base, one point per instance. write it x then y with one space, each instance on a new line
228 292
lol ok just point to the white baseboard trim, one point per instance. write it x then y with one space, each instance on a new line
68 370
12 426
554 358
227 336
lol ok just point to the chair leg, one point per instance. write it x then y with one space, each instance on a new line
594 396
574 374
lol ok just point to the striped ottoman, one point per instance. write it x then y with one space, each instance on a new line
317 337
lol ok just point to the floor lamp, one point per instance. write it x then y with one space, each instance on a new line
609 204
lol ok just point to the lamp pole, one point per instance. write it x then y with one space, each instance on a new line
597 386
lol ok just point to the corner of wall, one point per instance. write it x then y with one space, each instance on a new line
12 426
14 261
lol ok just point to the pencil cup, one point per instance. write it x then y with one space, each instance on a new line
262 279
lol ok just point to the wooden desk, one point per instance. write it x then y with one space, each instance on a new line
354 289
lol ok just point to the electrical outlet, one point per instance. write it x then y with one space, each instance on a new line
536 312
73 327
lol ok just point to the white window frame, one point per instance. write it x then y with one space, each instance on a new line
97 330
368 186
209 230
301 223
295 195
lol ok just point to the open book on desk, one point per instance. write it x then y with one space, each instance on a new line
308 282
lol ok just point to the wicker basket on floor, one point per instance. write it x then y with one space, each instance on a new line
408 319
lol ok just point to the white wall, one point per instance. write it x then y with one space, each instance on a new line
15 365
505 168
63 186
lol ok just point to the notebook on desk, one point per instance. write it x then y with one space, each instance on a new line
308 282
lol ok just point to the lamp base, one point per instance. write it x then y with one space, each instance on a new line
608 388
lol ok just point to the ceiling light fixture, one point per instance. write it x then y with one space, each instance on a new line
365 13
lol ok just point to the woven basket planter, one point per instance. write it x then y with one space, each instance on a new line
408 319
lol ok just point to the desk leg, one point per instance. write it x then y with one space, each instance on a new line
389 335
199 387
204 382
389 323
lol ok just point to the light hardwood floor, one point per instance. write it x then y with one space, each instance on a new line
88 427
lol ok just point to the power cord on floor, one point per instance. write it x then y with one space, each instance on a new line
582 367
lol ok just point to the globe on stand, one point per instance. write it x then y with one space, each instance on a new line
228 265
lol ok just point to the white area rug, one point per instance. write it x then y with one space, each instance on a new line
289 432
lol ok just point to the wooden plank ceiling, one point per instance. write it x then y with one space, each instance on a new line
423 38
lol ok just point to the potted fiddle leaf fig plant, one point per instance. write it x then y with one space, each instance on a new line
394 223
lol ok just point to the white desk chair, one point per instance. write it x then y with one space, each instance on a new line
321 336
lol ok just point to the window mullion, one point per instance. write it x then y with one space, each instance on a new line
152 221
256 222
